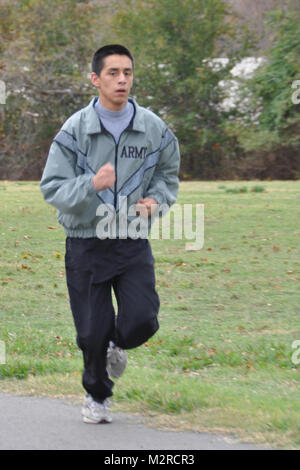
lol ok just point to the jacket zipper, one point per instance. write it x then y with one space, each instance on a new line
116 155
116 172
116 160
116 163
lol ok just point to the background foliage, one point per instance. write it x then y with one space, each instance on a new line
176 78
45 52
272 141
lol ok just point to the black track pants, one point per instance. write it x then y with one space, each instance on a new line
93 268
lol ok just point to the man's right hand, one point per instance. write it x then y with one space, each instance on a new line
105 177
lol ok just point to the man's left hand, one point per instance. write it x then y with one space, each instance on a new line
146 206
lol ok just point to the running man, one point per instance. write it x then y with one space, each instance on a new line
110 152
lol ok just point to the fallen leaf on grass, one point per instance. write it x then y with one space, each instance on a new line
240 328
52 228
226 270
211 352
250 365
151 343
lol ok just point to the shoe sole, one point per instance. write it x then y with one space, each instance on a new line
95 421
92 421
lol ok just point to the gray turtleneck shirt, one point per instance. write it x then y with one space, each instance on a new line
115 122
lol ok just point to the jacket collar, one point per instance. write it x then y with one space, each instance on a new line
93 124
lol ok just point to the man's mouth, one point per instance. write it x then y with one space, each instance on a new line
121 91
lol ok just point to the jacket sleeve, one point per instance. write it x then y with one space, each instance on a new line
164 183
61 186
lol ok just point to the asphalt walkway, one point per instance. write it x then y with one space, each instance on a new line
32 423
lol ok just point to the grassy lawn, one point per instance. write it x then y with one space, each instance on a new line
222 359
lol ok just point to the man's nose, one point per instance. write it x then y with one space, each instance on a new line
122 78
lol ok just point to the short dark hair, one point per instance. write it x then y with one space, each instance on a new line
100 54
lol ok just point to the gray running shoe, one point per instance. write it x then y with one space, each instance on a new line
94 412
116 361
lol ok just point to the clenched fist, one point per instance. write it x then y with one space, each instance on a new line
105 177
146 206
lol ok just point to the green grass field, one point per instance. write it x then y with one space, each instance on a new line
222 360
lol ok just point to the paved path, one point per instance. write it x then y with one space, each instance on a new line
31 423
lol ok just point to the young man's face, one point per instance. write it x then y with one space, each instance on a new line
114 82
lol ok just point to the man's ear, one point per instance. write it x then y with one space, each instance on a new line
95 79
